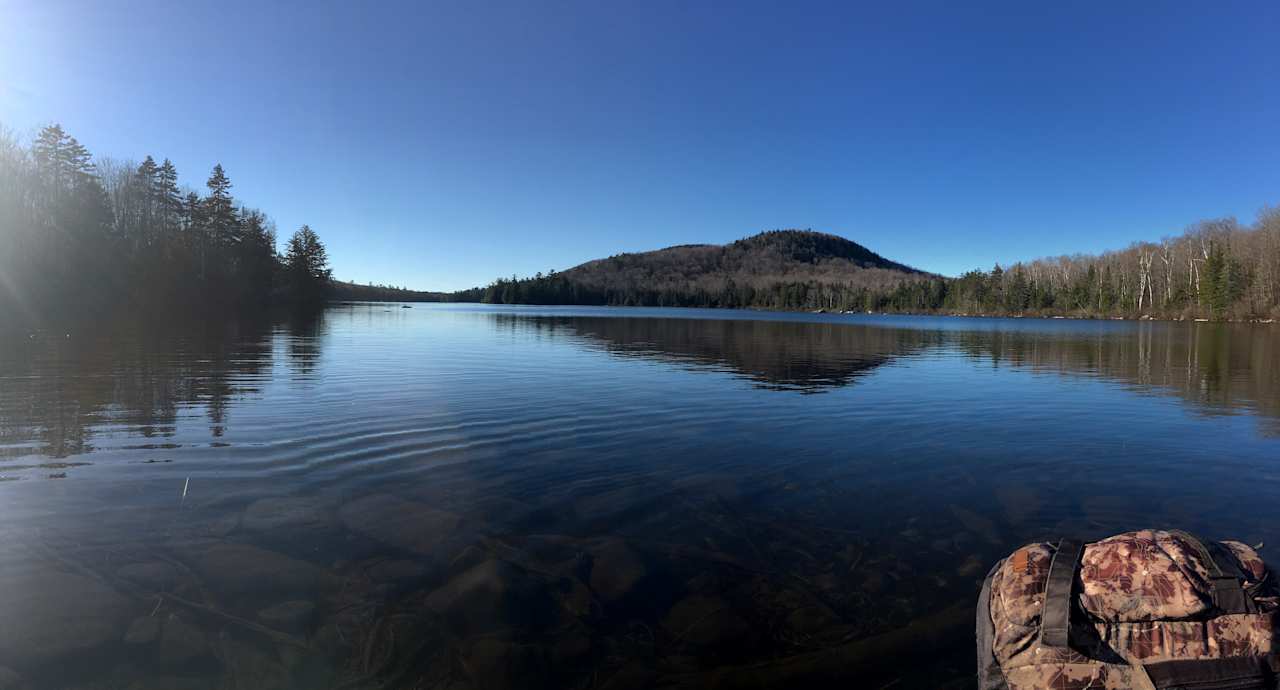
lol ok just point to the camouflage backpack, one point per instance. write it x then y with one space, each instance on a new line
1149 609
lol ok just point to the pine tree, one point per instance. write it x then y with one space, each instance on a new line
1018 296
219 211
307 267
196 235
1223 281
169 199
61 161
147 172
995 292
192 214
255 256
74 217
145 193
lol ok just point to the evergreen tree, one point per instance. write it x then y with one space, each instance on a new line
255 255
192 218
72 221
219 211
995 290
307 267
1224 281
69 249
221 234
169 212
147 172
62 162
145 196
1018 295
170 199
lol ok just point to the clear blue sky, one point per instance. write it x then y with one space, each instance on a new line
441 145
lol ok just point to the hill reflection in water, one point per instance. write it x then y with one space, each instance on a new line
1214 368
777 355
471 497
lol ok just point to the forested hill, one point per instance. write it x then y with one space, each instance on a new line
1214 269
770 269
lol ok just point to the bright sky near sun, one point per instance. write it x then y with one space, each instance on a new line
440 145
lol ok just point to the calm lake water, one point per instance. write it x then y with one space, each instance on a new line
457 496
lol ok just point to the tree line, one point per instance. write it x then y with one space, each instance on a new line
82 236
1215 269
79 236
370 292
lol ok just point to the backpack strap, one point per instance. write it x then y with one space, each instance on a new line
990 675
1237 673
1055 616
1228 590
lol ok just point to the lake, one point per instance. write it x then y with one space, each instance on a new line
459 496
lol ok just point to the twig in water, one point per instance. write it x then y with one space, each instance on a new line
857 560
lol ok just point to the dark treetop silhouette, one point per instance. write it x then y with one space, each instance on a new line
78 237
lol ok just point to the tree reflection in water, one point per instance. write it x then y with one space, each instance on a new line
502 527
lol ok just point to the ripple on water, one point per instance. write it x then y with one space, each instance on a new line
480 497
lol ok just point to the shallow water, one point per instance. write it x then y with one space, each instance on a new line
470 497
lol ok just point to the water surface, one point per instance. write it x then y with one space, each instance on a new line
454 496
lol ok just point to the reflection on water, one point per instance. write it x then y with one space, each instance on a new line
59 386
1217 368
475 498
781 355
1220 367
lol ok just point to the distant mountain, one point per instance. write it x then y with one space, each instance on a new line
1216 269
780 269
760 260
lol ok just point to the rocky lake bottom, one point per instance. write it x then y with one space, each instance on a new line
468 497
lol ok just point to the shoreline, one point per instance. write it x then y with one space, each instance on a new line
839 312
1055 317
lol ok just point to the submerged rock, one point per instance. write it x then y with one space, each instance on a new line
10 680
308 668
877 659
977 524
222 525
248 666
971 566
576 598
181 643
47 614
143 630
498 664
289 616
811 620
616 570
571 646
156 576
407 525
634 675
242 570
286 514
706 621
329 641
396 571
172 683
493 594
468 558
